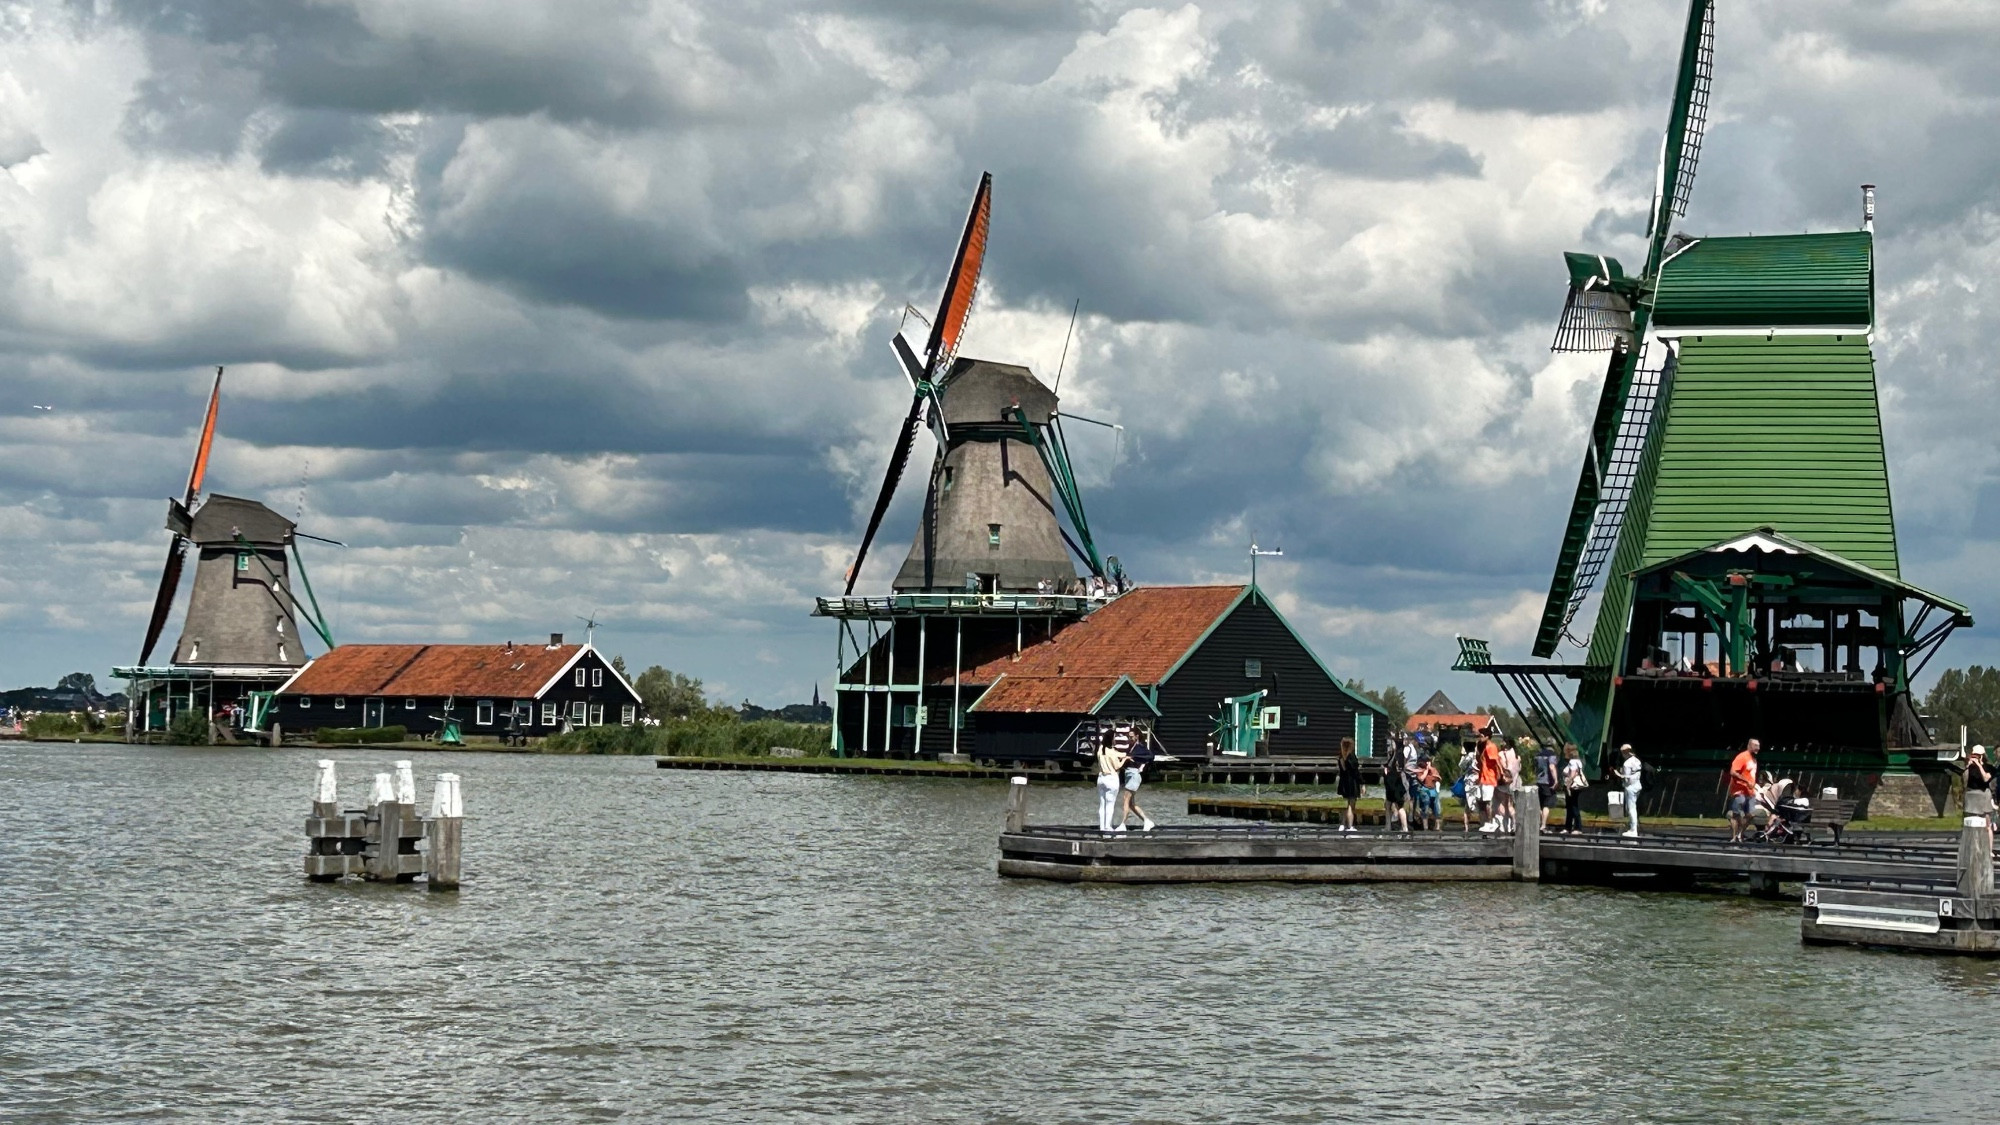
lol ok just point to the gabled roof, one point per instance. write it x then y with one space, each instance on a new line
1068 695
495 671
1775 542
1439 704
1142 634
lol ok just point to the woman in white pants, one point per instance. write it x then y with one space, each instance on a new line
1110 761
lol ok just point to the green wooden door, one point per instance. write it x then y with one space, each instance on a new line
1364 733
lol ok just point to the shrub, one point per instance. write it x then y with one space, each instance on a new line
360 734
189 728
709 736
52 724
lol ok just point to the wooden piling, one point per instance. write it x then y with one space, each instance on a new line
443 833
277 734
1527 834
1975 860
1017 804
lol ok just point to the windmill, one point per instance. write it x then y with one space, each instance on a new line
991 560
1002 466
1734 507
239 638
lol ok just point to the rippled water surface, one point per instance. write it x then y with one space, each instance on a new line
649 945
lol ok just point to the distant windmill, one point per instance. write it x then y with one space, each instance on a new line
242 610
990 507
590 625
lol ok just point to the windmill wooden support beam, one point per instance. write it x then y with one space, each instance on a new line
385 842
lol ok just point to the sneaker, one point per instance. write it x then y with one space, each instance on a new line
1118 829
1630 833
1148 825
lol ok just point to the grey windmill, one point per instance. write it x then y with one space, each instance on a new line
241 611
1002 468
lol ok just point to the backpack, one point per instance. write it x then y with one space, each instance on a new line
1545 770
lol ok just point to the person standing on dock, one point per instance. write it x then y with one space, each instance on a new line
1395 792
1742 790
1489 779
1110 764
1136 760
1349 783
1979 790
1574 783
1545 780
1425 794
1630 768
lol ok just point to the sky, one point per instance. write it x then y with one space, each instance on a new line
582 309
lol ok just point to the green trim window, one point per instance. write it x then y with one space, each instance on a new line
993 536
1299 718
1253 669
242 560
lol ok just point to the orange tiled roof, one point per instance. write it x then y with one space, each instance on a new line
1072 695
1476 722
1141 634
472 670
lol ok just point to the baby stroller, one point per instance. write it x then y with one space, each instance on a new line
1789 813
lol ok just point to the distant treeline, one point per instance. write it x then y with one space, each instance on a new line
711 736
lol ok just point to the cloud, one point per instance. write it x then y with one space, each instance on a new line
554 309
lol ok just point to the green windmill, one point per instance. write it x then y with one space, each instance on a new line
1734 502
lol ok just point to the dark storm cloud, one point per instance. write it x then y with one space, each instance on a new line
330 143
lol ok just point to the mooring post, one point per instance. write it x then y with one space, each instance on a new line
385 818
326 791
1527 834
1975 859
443 833
277 735
406 784
1017 803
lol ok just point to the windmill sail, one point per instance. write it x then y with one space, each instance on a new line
947 328
1679 152
178 522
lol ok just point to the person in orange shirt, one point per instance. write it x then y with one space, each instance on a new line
1489 778
1742 790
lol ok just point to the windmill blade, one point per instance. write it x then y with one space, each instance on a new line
898 459
913 369
163 602
200 468
1680 150
956 303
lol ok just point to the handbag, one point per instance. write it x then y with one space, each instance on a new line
1458 788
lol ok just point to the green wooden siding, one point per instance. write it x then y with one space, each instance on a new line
1770 281
1782 433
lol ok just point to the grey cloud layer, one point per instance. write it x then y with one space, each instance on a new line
585 306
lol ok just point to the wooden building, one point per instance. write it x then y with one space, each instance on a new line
531 689
1213 670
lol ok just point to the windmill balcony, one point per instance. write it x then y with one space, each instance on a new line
963 604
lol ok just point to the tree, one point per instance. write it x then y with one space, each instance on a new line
670 695
618 662
1969 698
1390 699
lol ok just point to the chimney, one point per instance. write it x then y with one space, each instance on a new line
1868 208
555 640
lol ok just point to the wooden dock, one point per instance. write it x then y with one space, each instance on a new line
1948 911
1251 853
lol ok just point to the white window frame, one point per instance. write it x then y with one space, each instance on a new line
579 713
597 714
305 702
482 713
548 714
597 677
627 715
579 677
340 703
409 703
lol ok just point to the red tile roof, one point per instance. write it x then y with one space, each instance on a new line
1070 695
1476 722
469 670
1142 634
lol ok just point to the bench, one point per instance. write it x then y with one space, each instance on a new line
1832 813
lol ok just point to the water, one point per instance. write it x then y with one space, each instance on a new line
658 945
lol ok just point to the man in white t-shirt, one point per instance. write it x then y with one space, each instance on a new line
1629 769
